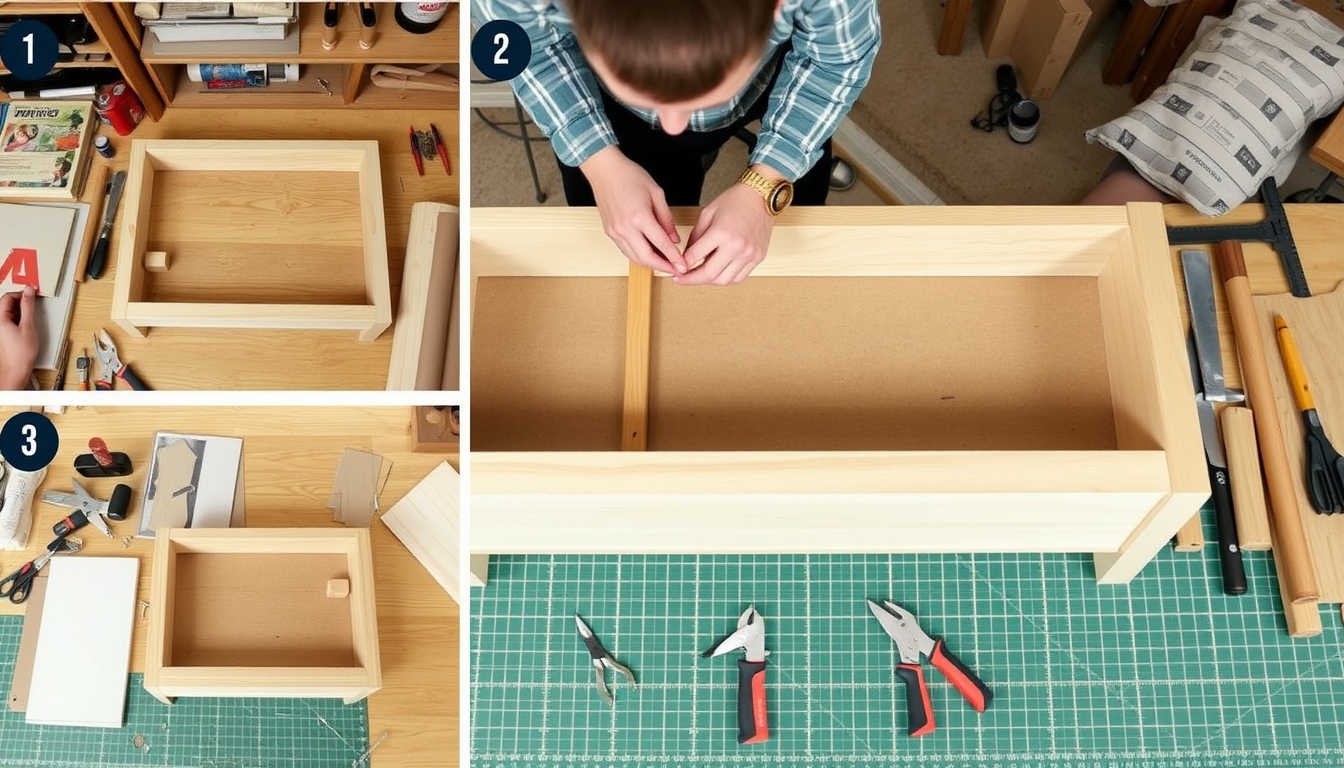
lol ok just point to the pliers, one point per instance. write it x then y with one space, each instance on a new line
110 365
912 642
753 722
602 661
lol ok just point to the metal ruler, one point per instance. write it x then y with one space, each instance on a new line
1273 230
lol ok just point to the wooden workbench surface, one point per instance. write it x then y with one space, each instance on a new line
290 457
186 358
1318 231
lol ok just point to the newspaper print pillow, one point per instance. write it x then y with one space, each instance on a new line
1235 106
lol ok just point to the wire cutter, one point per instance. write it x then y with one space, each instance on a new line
602 661
753 722
912 642
17 585
110 365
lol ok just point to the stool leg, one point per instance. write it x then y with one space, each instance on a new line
527 148
955 17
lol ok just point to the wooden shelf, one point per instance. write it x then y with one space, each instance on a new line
393 45
108 64
40 9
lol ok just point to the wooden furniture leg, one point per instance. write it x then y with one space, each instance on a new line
955 18
1173 36
1191 536
1135 36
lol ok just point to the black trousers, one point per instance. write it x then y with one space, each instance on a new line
676 163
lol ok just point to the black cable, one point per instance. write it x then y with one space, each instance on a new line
996 114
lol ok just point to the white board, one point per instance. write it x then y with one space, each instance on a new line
428 521
83 660
45 231
54 312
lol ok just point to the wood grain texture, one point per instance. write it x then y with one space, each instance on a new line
956 15
1248 485
290 456
429 276
1317 325
428 521
1293 554
1190 537
263 359
638 316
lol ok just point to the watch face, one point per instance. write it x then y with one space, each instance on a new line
781 198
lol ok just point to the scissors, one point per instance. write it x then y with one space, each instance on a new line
18 584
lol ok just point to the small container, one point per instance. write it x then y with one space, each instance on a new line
1024 117
420 18
119 107
104 146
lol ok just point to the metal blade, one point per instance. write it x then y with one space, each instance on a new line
64 500
750 637
1208 422
1204 321
113 198
903 628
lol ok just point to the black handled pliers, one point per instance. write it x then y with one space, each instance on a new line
912 642
602 660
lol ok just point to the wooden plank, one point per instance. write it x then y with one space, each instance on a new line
428 521
21 682
377 281
638 316
419 341
1248 486
956 15
1292 551
1046 42
89 599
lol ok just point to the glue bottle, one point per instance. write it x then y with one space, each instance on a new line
420 18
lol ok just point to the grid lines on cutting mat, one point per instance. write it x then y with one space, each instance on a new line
1165 672
197 732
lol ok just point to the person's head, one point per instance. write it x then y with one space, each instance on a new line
673 58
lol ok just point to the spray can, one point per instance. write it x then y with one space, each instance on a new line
118 106
420 18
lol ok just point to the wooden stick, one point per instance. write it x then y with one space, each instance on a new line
1248 487
1190 538
639 308
1292 553
97 182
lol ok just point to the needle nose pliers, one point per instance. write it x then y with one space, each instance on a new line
912 642
602 661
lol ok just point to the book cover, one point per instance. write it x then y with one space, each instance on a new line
44 146
34 242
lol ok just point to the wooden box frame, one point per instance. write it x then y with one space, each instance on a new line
868 501
135 315
165 681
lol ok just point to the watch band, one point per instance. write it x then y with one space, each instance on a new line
776 193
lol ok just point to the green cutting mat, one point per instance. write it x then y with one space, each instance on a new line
1165 673
193 733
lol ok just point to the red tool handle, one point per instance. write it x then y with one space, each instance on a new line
100 453
962 678
753 723
917 705
70 524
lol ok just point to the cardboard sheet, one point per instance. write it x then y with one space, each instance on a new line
82 665
21 682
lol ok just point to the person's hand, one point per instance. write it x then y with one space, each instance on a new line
634 212
18 337
730 239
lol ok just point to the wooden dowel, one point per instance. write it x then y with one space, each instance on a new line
639 308
1292 553
1248 486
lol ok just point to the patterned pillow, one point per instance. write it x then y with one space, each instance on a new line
1236 106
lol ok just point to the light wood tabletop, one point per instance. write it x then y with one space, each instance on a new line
290 457
244 359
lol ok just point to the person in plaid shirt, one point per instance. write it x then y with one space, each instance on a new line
634 95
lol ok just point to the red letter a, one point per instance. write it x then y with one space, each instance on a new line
20 267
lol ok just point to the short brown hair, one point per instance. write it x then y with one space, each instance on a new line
672 51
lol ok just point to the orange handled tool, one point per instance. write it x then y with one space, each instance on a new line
1325 467
753 720
911 643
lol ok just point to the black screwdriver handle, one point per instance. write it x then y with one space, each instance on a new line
1229 548
70 524
98 261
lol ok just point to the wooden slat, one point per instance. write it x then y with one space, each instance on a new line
1248 486
955 17
428 521
639 311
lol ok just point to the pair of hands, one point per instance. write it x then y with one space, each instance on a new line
18 338
730 239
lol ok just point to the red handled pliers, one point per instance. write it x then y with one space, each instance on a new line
753 722
110 367
912 642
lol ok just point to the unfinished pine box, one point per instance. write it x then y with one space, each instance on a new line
928 379
257 234
247 612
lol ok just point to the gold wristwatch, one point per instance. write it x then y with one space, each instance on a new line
777 194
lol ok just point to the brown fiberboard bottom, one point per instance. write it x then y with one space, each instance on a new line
1317 324
260 610
798 364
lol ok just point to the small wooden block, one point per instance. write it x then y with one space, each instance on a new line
338 588
156 261
1243 470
